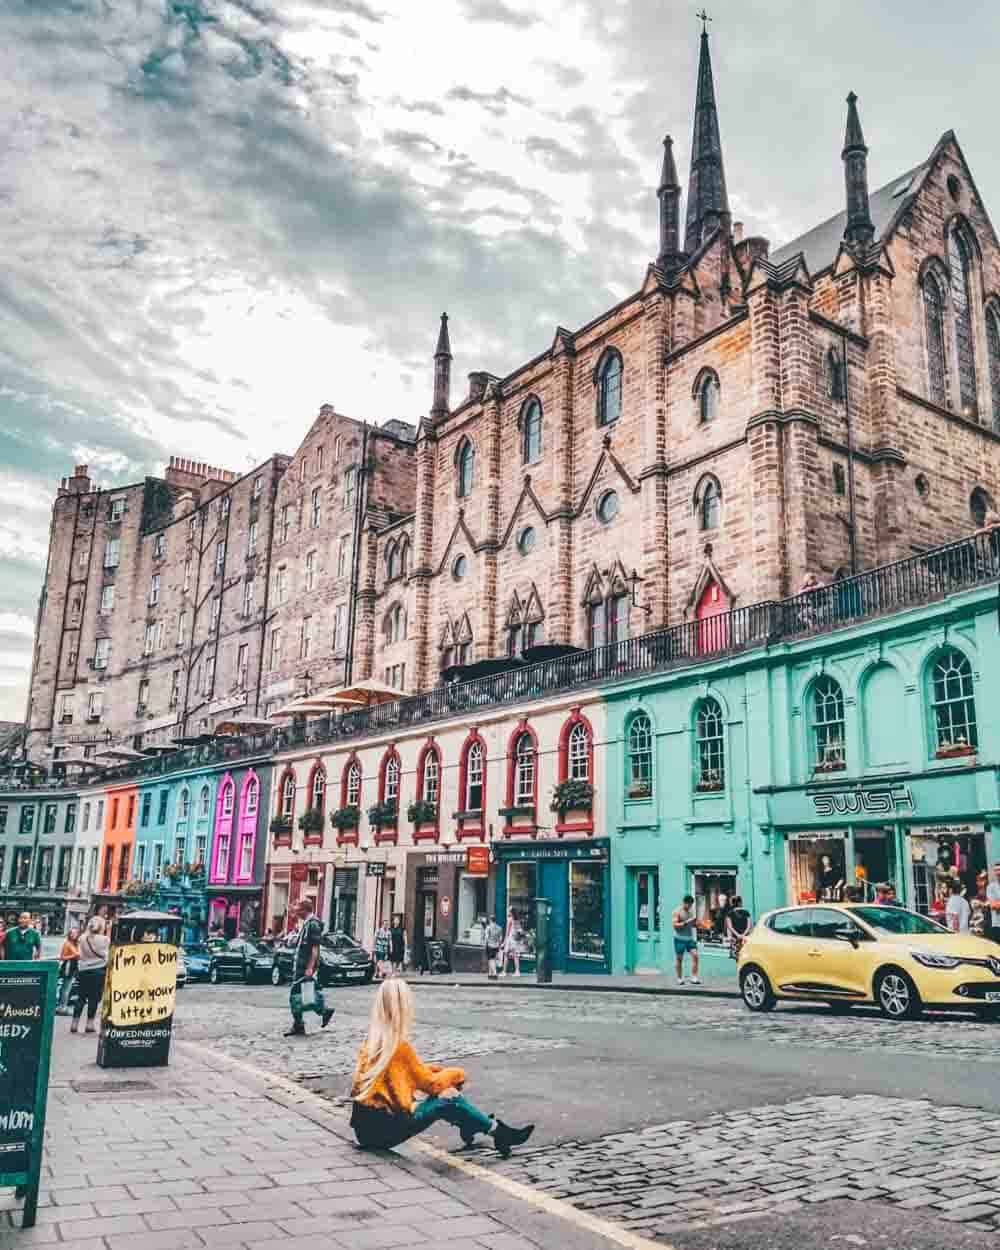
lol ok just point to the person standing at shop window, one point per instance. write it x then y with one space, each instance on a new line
305 993
397 945
492 939
993 902
957 910
684 921
739 922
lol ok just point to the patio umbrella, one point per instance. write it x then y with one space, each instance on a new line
548 651
120 753
364 693
482 668
251 725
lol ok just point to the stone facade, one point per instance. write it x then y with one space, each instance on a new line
743 419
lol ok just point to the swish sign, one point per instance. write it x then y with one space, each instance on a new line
863 801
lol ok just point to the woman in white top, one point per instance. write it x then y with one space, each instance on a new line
90 973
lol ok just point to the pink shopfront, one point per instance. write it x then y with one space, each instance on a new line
236 862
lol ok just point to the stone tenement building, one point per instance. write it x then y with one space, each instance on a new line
744 418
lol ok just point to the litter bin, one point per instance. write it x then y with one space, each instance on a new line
140 986
543 952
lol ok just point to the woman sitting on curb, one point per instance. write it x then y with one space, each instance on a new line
389 1074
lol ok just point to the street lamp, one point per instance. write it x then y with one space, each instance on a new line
634 581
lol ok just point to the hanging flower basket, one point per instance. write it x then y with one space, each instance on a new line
281 825
311 821
422 812
572 796
345 818
381 815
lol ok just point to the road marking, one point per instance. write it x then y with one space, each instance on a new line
557 1207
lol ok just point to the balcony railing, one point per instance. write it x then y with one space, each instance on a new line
917 580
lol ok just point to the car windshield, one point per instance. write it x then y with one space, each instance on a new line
195 950
897 920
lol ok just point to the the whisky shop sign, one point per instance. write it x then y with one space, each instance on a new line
883 800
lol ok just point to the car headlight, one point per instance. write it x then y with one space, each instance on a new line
934 959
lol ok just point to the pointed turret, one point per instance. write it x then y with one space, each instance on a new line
669 194
442 372
859 229
708 203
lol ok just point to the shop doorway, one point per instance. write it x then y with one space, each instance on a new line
644 920
874 859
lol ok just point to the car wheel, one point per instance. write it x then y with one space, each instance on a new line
213 975
756 989
896 995
276 977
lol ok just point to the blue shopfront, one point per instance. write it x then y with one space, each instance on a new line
575 877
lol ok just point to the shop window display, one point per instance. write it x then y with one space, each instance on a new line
938 859
816 869
472 914
586 910
713 890
521 893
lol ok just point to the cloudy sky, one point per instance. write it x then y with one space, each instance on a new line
216 215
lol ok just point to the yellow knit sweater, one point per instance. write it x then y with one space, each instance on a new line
395 1089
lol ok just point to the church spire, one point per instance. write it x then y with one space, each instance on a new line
669 194
859 228
442 372
708 203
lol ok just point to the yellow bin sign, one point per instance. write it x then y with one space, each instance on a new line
139 991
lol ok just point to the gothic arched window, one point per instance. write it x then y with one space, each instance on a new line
709 504
993 353
465 463
531 432
710 761
952 702
828 724
834 376
578 753
609 389
708 398
639 776
318 789
524 771
979 504
937 389
960 262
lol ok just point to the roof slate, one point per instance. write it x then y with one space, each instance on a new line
820 244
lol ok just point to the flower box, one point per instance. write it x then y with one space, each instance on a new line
953 750
573 797
830 766
708 787
422 812
383 815
346 818
640 790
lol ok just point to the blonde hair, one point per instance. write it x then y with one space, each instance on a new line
388 1025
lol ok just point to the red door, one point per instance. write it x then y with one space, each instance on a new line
713 620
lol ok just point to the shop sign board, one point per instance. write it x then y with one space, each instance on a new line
375 870
948 831
477 861
27 1009
139 991
598 853
445 857
862 800
818 835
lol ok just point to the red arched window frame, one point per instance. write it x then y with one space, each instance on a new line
518 824
389 833
576 717
316 774
471 825
426 831
286 805
350 836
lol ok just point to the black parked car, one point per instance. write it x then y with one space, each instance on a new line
241 960
340 959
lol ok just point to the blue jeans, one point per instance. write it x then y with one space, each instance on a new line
298 1008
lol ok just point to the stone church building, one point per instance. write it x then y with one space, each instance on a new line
749 416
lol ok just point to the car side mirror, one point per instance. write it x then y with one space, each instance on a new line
849 934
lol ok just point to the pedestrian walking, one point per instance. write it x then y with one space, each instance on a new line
492 939
23 941
390 1074
91 968
684 923
305 993
957 910
383 946
69 959
397 945
739 922
513 943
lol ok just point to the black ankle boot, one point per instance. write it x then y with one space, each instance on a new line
505 1137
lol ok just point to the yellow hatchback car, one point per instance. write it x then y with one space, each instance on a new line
845 953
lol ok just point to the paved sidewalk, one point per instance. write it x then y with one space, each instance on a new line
207 1153
657 984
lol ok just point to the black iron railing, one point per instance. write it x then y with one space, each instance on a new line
906 583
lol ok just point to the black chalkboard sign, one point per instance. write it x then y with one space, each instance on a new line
27 1007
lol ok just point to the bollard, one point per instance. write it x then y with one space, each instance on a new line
543 952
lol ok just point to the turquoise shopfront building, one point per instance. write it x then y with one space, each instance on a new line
841 745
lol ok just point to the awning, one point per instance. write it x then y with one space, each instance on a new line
364 693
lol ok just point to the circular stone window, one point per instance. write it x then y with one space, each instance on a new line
607 507
923 487
459 567
526 540
954 187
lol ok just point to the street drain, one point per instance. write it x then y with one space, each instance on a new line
112 1087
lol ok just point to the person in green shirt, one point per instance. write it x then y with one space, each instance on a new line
24 942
